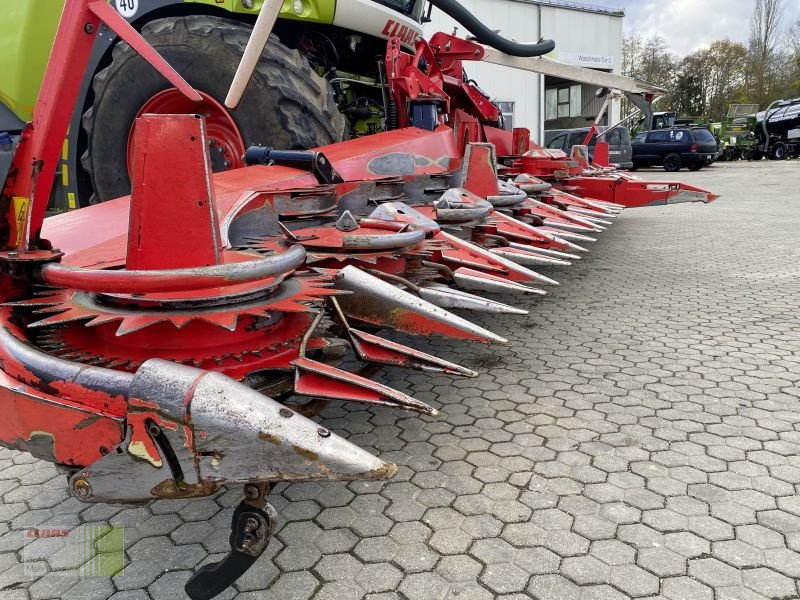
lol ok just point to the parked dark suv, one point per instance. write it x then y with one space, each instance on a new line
619 143
674 148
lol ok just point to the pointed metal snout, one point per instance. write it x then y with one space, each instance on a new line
457 205
380 303
606 205
563 239
481 256
531 184
510 195
347 222
596 214
527 256
446 297
569 217
569 235
588 227
189 431
320 380
565 256
477 281
251 437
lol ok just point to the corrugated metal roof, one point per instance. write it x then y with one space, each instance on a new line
569 4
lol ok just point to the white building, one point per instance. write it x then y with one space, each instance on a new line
585 36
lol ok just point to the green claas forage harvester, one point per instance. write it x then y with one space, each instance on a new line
313 84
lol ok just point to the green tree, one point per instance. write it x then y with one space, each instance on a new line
764 58
710 79
688 97
705 82
648 59
792 43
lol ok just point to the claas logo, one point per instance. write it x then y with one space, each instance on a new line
405 33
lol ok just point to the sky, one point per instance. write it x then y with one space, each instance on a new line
689 25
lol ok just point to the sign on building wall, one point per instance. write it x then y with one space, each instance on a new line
598 61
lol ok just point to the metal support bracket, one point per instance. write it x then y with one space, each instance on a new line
252 526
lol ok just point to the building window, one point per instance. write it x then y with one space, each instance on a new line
507 110
562 102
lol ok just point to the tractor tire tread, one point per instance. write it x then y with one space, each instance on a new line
299 109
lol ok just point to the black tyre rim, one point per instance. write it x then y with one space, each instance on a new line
671 163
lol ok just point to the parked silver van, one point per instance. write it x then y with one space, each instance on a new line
619 143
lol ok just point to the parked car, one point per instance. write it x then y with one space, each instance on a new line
674 148
619 142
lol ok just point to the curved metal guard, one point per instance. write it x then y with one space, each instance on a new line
170 280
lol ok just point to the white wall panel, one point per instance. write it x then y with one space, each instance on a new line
573 31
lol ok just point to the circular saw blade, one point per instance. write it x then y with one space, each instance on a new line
236 338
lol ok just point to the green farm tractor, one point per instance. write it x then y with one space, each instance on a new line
734 133
737 135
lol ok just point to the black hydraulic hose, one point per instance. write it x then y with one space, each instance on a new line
764 126
486 36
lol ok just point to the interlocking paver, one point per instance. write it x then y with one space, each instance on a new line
425 586
759 536
738 593
738 553
769 583
685 588
537 561
459 568
714 573
504 578
584 570
784 561
661 561
634 581
639 438
547 587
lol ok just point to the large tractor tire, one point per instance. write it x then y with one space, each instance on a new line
286 105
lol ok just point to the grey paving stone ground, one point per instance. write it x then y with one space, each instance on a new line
638 439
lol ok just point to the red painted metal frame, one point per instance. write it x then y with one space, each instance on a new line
33 169
634 193
435 73
78 421
451 52
147 242
223 132
154 241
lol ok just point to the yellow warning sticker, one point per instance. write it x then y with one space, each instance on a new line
21 205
